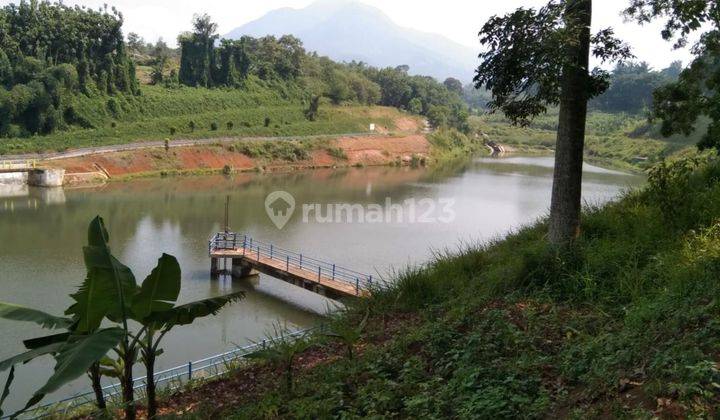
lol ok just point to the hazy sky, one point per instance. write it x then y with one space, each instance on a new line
458 20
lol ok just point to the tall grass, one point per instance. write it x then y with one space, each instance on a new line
617 140
626 323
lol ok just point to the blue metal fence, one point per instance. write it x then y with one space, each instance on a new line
169 379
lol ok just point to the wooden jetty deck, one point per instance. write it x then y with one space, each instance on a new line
319 276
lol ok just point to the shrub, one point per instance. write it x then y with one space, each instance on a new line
267 121
191 125
113 107
172 131
337 153
213 126
230 125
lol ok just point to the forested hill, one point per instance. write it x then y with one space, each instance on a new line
236 63
50 52
68 68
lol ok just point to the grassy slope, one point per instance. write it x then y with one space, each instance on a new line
616 140
152 115
625 325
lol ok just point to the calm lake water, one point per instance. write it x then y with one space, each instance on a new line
43 232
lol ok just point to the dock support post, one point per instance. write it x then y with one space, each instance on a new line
213 266
241 269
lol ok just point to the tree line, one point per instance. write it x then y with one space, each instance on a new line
206 61
632 85
49 52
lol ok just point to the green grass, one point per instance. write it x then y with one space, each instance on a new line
161 113
625 324
450 144
614 140
289 151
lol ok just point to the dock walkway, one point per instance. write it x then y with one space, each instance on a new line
248 254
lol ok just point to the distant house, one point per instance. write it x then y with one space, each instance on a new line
280 207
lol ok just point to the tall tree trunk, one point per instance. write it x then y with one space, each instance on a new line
97 386
567 179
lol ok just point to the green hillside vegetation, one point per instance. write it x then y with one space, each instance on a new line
232 62
189 113
632 85
622 141
83 92
50 53
625 324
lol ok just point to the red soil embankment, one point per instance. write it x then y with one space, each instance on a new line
370 150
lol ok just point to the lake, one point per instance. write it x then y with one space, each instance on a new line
424 209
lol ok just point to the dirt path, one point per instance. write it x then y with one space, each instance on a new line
212 155
86 151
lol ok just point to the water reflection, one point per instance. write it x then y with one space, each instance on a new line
43 231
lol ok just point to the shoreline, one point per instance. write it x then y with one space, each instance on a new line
234 155
244 155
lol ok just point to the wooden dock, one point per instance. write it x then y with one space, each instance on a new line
319 276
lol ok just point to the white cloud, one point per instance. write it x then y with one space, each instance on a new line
459 20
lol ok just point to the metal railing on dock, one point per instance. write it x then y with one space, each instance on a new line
255 250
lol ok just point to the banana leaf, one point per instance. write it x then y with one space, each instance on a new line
43 319
159 290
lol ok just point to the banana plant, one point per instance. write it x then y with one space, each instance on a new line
74 353
153 307
84 343
110 292
106 293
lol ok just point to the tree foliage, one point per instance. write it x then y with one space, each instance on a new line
230 63
525 53
696 93
632 85
50 52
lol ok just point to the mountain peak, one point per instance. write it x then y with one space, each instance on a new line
347 30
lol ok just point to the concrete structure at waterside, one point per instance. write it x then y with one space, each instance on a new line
34 177
46 177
